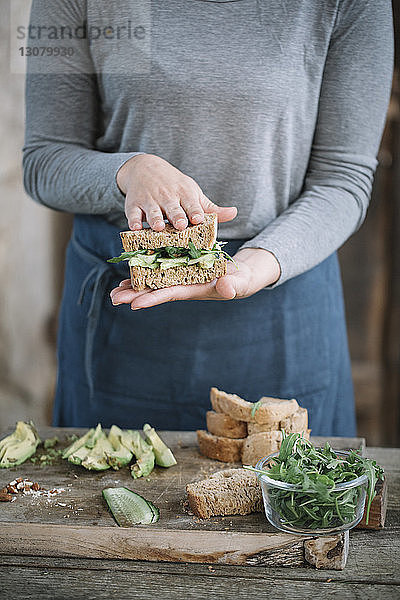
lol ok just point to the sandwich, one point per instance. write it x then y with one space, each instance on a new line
159 259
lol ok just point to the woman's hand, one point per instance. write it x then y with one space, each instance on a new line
153 189
256 268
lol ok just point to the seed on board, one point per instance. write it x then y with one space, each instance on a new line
4 497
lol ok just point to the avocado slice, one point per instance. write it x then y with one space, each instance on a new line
144 465
164 456
143 453
121 455
97 434
96 459
78 456
83 449
77 444
19 446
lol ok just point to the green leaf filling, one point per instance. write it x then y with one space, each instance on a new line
171 256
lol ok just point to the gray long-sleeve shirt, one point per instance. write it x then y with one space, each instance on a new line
274 106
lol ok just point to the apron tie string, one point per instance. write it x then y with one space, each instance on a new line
100 273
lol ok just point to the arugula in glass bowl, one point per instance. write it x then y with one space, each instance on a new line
316 490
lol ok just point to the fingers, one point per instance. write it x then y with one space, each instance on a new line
224 213
125 283
154 215
190 201
226 288
134 215
219 289
185 206
125 294
154 188
175 214
194 210
198 291
147 298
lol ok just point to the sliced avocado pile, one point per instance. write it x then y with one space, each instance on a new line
19 446
95 451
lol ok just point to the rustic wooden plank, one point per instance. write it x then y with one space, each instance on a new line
340 443
86 584
329 552
373 558
165 487
147 543
81 506
388 458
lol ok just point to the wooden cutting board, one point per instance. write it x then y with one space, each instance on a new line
76 522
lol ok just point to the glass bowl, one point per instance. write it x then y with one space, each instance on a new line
287 506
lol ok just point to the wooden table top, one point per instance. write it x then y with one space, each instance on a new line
372 569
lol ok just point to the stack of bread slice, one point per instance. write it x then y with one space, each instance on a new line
240 431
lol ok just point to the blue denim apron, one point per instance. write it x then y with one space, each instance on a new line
157 365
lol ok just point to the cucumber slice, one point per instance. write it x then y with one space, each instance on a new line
155 510
129 508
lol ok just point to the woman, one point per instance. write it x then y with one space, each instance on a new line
273 109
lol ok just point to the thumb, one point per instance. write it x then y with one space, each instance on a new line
224 213
225 287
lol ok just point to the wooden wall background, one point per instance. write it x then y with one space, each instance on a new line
370 263
32 243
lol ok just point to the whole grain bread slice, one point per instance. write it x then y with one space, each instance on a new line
269 410
261 444
142 277
253 428
219 448
223 425
297 422
229 492
203 236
